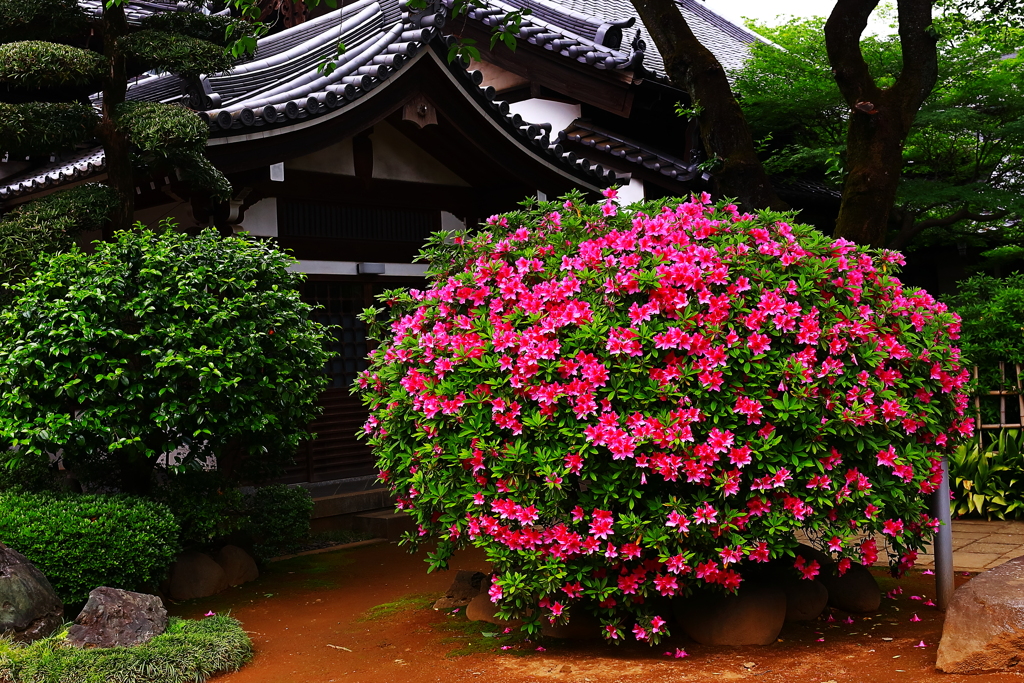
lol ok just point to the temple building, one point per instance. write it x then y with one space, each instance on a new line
352 170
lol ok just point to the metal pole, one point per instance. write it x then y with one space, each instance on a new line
943 542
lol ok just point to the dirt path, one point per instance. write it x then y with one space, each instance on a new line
308 620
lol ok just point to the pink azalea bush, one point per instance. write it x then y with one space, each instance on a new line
622 405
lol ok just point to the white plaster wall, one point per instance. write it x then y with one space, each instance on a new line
395 157
536 110
260 219
633 192
336 159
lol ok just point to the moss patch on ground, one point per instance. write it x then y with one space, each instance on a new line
189 651
405 603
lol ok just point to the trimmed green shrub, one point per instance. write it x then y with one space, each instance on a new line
278 519
188 651
84 541
156 342
206 506
45 127
38 64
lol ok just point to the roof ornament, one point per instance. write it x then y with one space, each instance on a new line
638 49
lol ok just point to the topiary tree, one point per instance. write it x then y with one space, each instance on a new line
54 55
157 342
621 405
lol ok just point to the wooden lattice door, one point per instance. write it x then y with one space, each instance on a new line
336 453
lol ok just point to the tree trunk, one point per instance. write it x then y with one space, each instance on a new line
115 144
724 131
880 119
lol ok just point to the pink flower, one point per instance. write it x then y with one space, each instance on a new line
656 624
921 644
541 649
211 613
892 527
495 592
610 193
915 618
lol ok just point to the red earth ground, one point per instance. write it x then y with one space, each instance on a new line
312 619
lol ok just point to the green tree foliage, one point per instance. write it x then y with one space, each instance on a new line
48 226
156 342
54 54
993 321
961 177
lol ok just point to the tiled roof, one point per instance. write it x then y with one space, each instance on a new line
281 84
562 19
586 38
137 10
631 151
66 169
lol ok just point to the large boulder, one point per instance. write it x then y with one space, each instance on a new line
29 607
855 591
113 617
805 600
984 627
238 565
195 575
753 616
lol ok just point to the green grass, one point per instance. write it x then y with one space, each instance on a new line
189 651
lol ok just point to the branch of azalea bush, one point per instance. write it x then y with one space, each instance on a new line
624 405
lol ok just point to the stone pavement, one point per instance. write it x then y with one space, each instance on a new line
980 545
977 545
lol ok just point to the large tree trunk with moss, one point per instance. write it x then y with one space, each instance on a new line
723 129
115 143
880 118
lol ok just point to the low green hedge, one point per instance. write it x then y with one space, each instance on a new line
84 541
187 651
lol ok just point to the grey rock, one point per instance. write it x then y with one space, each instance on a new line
238 565
29 607
195 575
805 600
753 616
113 617
464 588
984 627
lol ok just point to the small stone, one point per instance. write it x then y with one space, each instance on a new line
29 607
566 669
984 626
753 616
481 608
113 617
749 665
195 575
464 588
238 565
